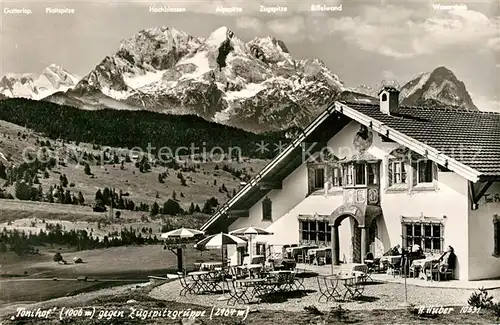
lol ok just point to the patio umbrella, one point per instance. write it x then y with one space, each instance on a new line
251 231
181 233
220 240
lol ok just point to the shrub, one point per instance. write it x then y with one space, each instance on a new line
481 299
58 257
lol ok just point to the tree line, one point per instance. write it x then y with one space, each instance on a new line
23 243
121 128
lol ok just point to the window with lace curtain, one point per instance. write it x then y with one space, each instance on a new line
429 236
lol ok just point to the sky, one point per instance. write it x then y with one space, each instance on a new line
364 43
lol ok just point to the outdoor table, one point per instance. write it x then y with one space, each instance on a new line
424 263
342 287
330 287
280 280
316 253
203 281
258 286
294 251
210 265
390 260
251 268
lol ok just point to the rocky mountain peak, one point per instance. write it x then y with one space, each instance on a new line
437 88
37 86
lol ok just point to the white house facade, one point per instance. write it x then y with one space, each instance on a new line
364 178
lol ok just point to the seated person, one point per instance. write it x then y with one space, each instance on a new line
395 251
447 260
416 252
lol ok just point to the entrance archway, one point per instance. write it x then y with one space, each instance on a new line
356 234
359 232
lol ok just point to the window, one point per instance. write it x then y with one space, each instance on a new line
496 235
384 97
425 171
428 235
397 172
372 174
316 232
360 174
267 209
349 174
319 178
336 177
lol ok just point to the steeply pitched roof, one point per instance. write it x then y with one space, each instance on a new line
466 142
471 138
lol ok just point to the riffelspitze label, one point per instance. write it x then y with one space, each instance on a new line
162 9
17 11
59 11
228 10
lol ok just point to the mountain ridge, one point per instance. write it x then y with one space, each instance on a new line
256 85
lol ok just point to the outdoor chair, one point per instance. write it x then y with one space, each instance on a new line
356 286
297 282
323 288
237 294
188 286
300 258
432 272
235 273
413 271
394 268
308 258
448 274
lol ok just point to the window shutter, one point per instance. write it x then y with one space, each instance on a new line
389 172
414 172
495 238
435 171
329 177
311 178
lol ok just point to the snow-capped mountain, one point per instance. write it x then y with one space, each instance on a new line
33 86
437 88
255 85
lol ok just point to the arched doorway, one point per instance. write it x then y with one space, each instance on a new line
363 216
355 240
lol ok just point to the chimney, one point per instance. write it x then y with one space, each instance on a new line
389 100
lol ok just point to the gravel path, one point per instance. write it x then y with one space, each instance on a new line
377 296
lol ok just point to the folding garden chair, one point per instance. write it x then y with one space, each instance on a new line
237 293
187 285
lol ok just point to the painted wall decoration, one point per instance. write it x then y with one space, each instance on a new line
349 196
373 196
361 196
363 139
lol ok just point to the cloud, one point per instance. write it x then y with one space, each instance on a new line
486 104
249 7
249 23
494 44
289 28
397 32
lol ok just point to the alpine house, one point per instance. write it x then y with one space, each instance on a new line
366 177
